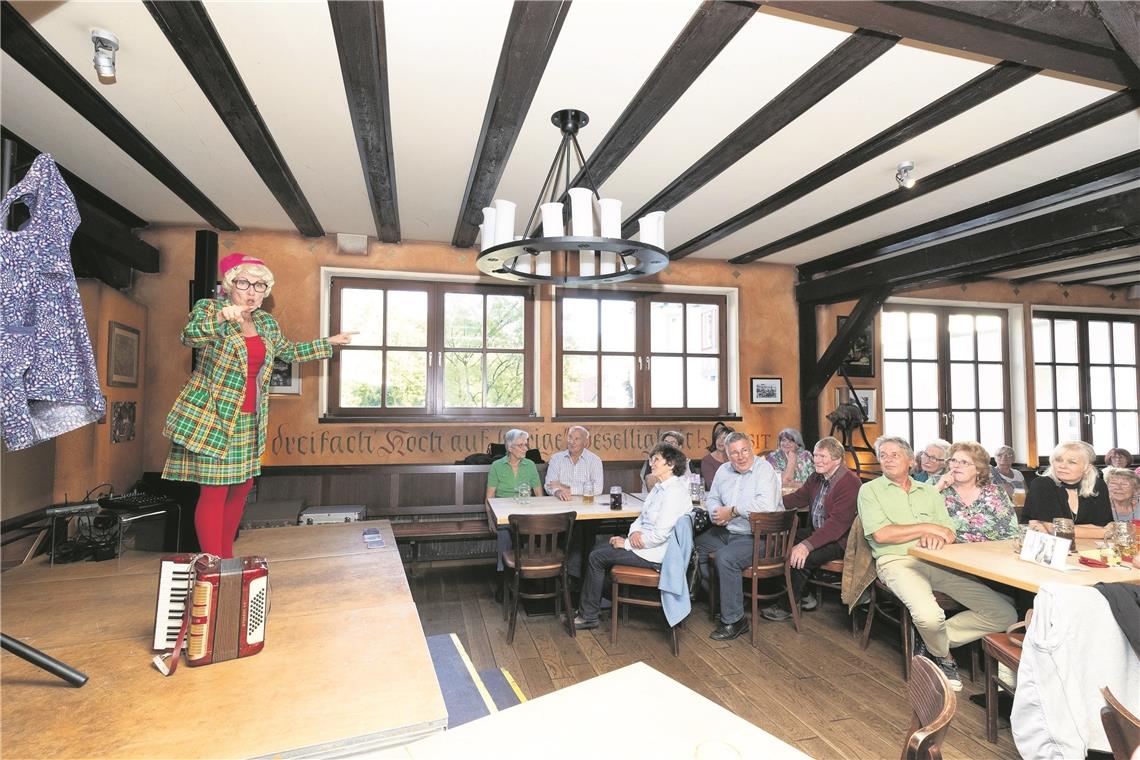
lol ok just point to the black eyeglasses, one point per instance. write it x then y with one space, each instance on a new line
258 287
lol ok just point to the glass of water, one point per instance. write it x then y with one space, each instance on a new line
522 493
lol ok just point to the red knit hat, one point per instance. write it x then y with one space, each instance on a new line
235 259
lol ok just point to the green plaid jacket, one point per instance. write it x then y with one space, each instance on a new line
203 415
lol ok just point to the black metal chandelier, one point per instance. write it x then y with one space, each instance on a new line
594 253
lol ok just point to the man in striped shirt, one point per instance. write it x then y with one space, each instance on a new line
577 470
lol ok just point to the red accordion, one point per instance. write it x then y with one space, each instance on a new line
228 605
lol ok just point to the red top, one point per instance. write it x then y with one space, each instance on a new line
255 349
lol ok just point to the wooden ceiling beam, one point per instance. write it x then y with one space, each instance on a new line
1103 110
362 47
29 49
978 90
1100 279
1108 174
1056 36
1079 269
531 34
79 188
1122 20
711 27
829 74
1077 230
190 32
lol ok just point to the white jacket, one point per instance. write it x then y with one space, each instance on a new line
1072 648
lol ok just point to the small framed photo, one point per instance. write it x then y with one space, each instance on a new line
285 379
122 356
866 398
123 421
767 390
860 360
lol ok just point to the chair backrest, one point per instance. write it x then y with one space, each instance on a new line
540 539
1121 727
773 534
932 704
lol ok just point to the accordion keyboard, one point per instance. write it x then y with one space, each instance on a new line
173 590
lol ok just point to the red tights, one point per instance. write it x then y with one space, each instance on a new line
217 516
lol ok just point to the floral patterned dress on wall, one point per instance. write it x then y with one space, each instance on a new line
990 518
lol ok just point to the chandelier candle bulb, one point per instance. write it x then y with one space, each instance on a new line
542 264
581 212
504 221
552 224
488 228
609 222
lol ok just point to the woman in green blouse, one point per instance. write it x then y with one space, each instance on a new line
507 474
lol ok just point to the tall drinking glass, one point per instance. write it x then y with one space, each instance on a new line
588 492
1063 528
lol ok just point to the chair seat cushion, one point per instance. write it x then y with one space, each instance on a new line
635 576
548 564
999 646
834 566
763 570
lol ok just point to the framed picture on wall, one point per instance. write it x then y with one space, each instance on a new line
122 356
767 390
286 378
860 361
866 398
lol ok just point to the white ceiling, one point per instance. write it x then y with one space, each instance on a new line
442 57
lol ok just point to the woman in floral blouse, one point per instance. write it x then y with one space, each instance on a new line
791 459
979 509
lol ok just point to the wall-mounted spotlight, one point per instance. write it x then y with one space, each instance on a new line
905 175
105 46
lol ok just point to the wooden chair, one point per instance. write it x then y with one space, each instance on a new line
932 704
834 566
630 577
880 596
997 648
540 545
1121 727
773 535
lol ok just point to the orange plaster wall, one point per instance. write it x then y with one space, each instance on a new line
767 348
1025 295
87 457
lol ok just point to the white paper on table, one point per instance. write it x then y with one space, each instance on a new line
1045 549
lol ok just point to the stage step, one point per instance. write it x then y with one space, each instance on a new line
468 694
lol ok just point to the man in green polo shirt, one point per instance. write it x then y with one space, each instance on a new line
898 512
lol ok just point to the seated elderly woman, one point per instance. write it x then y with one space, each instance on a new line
932 461
1005 474
1123 493
716 456
649 534
979 509
1118 457
1069 488
674 439
507 476
790 459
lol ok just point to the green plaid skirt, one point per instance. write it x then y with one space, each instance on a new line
238 465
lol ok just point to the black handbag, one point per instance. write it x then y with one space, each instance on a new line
701 520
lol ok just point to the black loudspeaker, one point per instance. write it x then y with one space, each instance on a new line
186 494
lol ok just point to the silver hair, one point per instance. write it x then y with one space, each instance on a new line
944 445
737 436
1088 480
513 435
792 435
831 446
572 428
902 443
1004 450
1123 473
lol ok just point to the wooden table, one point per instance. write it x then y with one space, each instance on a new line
345 666
499 510
631 712
996 561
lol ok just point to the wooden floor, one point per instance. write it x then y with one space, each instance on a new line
817 690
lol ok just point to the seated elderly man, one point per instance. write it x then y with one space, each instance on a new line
831 492
649 534
744 484
898 512
577 470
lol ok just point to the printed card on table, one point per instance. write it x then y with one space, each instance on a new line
1044 549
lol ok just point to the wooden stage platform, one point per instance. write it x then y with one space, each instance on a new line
345 669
